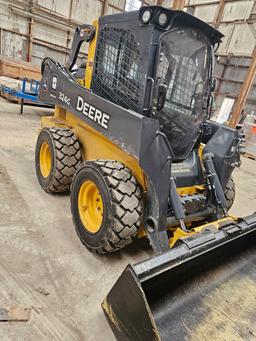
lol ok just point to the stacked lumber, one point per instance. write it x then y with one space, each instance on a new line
19 69
10 83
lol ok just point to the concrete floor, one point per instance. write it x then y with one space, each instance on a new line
42 262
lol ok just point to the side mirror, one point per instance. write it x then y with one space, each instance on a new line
161 96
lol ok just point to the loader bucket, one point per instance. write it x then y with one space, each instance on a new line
162 297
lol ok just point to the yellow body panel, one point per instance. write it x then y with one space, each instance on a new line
180 234
91 56
93 144
190 190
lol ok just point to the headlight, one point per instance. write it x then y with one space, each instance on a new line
146 16
162 19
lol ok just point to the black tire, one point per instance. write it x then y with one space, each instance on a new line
65 159
230 192
122 205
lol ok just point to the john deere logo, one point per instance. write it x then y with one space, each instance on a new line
92 113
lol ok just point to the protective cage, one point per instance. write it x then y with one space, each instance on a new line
118 74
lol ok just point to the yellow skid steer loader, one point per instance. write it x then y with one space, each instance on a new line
131 138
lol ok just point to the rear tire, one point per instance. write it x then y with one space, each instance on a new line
64 158
121 196
230 192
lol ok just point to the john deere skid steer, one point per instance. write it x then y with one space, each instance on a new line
133 142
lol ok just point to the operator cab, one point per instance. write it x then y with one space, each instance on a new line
156 62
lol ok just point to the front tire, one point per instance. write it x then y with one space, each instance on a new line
57 158
230 192
106 204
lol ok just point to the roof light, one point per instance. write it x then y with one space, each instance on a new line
146 16
162 19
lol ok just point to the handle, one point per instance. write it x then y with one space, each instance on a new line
152 82
159 133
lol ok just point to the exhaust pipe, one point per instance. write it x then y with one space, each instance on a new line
148 297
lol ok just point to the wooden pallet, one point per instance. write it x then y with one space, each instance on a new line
19 69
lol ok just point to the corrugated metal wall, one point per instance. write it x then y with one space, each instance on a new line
47 25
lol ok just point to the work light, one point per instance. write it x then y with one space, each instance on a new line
146 16
162 19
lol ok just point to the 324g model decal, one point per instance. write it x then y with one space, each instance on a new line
64 98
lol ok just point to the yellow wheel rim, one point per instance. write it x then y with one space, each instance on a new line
90 206
45 159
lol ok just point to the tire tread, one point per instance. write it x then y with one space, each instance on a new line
68 159
230 192
126 202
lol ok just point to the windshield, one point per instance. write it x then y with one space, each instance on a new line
183 68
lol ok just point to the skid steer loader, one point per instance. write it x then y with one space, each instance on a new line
133 142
